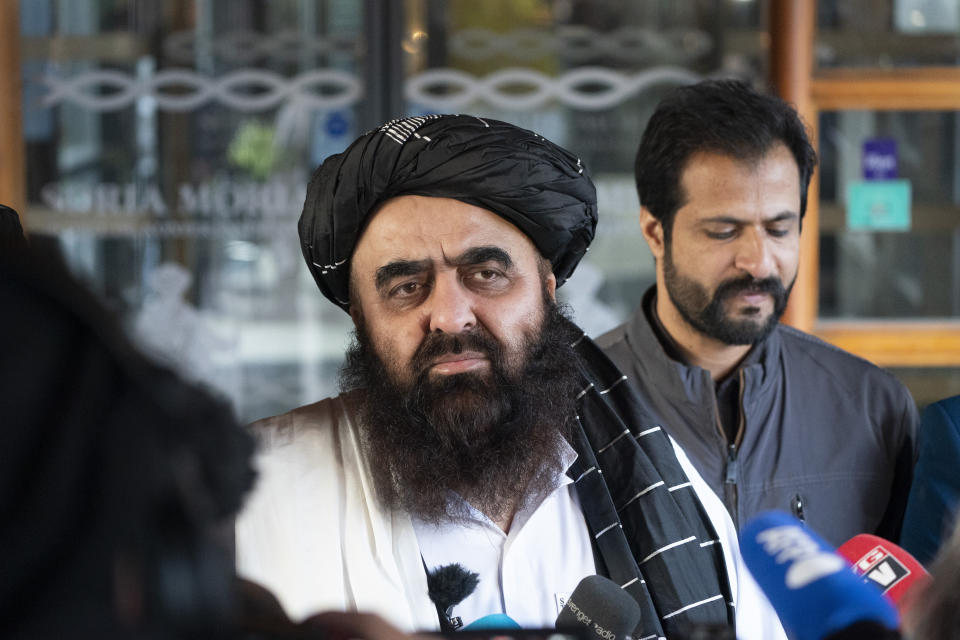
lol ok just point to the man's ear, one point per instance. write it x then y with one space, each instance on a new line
551 284
356 314
652 230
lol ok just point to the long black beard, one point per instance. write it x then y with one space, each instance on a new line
490 438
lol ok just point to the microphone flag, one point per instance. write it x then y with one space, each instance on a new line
887 566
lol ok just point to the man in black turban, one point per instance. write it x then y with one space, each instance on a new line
483 457
535 185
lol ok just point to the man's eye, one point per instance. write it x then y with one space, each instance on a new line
721 235
779 232
405 290
485 277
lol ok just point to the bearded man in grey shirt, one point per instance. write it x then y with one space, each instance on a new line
772 417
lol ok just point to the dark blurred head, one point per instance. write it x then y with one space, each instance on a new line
116 473
726 117
935 614
11 232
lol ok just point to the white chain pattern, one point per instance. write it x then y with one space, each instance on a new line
276 89
424 89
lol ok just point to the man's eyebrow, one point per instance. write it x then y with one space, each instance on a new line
783 215
475 255
399 269
479 255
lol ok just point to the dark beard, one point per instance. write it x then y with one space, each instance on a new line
491 438
708 314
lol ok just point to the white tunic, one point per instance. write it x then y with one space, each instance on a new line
313 533
526 573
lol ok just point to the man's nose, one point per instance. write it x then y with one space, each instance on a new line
755 256
451 306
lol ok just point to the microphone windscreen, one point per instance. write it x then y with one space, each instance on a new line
600 606
492 621
812 588
885 565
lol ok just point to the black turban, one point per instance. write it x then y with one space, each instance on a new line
536 185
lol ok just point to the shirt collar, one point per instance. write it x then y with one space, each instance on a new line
560 479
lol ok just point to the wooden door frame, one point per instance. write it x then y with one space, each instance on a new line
894 343
13 180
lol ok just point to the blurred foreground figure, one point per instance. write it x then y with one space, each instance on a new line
936 612
481 438
11 232
115 474
773 418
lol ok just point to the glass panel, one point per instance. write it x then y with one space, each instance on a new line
887 33
168 151
169 144
868 270
586 75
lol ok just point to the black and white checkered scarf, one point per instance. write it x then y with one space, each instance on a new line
650 529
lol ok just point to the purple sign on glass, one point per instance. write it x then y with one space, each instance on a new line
880 159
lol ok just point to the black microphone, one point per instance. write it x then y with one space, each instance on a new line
599 606
448 586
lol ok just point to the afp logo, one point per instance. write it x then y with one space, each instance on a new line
880 567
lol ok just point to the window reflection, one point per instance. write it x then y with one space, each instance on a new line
913 273
169 144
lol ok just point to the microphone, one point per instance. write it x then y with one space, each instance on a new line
811 587
448 586
599 606
493 621
887 566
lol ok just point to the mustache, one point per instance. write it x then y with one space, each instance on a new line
747 284
435 345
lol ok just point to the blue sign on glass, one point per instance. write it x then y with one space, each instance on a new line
880 159
337 124
878 205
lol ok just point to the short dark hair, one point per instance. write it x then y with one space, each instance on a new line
717 116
